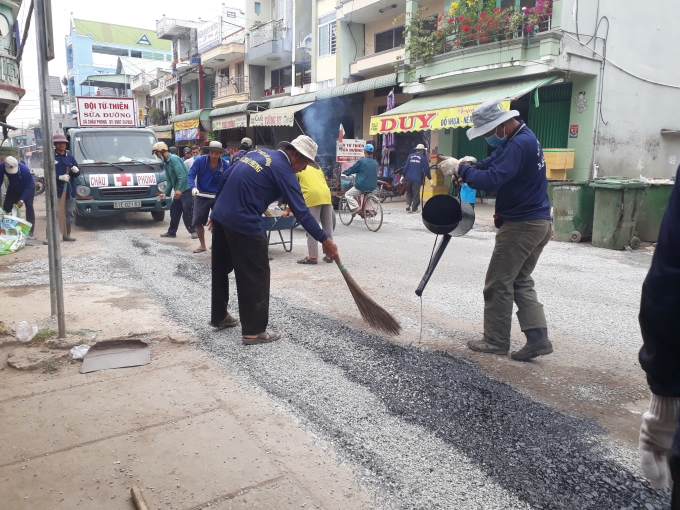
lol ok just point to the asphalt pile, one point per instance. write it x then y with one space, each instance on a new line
423 429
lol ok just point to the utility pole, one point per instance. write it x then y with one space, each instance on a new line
43 31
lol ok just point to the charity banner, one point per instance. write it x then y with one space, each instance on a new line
446 118
187 124
186 134
233 122
349 150
98 111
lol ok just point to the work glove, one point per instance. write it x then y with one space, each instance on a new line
656 438
431 183
449 167
65 177
75 170
468 159
401 180
194 191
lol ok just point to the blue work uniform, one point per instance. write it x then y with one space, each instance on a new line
63 163
21 184
203 177
417 167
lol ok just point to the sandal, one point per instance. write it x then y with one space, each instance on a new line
228 322
326 259
262 338
306 260
200 250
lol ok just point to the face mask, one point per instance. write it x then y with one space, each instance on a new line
495 141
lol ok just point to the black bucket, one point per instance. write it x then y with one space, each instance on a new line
444 214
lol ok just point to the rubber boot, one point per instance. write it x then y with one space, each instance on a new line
537 345
68 237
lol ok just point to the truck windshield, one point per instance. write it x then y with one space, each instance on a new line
113 147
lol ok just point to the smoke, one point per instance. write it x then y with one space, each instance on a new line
321 121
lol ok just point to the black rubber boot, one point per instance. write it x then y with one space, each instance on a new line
68 237
537 345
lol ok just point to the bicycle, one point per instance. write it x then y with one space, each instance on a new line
369 209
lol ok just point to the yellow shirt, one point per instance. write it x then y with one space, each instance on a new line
314 187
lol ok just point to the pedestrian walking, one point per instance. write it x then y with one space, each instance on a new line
366 170
65 166
204 178
317 196
516 171
660 356
177 174
20 189
239 241
195 153
186 151
416 169
246 146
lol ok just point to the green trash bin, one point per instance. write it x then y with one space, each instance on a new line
617 202
573 208
652 208
551 185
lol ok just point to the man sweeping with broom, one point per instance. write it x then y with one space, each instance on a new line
66 167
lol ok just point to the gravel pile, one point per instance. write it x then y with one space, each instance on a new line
426 430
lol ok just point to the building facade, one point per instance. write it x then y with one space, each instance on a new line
11 86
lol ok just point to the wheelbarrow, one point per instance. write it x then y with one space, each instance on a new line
280 224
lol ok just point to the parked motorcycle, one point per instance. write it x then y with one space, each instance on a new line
386 189
39 183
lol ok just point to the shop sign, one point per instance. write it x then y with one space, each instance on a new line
209 34
233 122
267 118
573 131
349 150
164 135
97 111
446 118
187 124
183 135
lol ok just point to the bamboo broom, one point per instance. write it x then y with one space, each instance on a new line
61 210
376 316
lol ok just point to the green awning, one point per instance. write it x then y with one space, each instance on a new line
161 129
357 87
114 81
203 114
470 96
238 108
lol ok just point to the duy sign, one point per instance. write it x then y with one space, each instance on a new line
446 118
96 111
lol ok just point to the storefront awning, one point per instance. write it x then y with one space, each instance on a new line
162 132
230 122
452 110
253 106
284 116
113 81
203 114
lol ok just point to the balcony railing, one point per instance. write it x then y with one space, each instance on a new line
238 37
270 31
164 25
140 80
231 86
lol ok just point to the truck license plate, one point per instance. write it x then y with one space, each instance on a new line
132 204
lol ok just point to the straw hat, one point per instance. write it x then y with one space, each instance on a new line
488 116
305 146
214 146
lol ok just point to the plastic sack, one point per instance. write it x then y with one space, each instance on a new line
79 351
13 234
468 194
26 332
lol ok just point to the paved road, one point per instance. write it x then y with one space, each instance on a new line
426 426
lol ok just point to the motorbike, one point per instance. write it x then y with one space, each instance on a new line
39 183
386 189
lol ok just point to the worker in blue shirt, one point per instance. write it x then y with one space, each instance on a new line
204 178
239 242
20 189
416 169
66 167
516 171
366 170
246 146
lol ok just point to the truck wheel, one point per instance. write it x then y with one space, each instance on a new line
158 215
79 220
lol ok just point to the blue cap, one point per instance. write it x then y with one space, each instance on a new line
369 147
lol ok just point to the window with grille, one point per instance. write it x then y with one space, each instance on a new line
389 39
282 77
327 34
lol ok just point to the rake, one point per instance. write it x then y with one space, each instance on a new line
376 316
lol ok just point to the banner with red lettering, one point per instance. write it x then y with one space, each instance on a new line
447 118
98 111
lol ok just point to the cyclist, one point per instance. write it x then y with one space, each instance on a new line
366 170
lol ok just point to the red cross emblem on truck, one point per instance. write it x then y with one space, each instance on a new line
123 180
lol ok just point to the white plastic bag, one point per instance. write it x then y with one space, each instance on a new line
26 332
79 351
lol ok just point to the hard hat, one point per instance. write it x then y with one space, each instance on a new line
159 146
